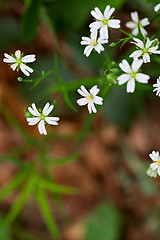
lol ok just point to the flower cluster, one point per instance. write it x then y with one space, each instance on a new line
154 169
103 23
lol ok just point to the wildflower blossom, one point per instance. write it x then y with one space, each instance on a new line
131 74
156 158
103 21
89 98
93 43
41 117
151 173
18 61
157 7
133 25
157 87
144 49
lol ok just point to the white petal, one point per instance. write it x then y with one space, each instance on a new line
123 78
90 108
114 23
138 43
142 78
109 13
13 66
153 166
93 107
41 127
84 90
106 11
149 43
136 54
102 41
52 120
98 100
158 170
146 58
94 90
33 121
157 7
48 110
29 58
135 31
144 32
131 85
94 35
96 13
95 25
25 69
104 32
88 50
8 58
99 48
18 54
82 101
125 66
144 22
134 16
154 155
136 64
131 24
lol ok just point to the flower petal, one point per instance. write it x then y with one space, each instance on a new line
82 101
34 110
8 58
125 66
123 78
131 85
33 121
114 23
96 13
98 100
138 43
41 127
13 66
52 120
136 54
29 58
136 64
104 32
25 69
146 58
93 107
18 54
142 78
134 16
94 90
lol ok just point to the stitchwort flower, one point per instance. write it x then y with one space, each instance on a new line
18 61
145 50
157 87
40 117
131 74
135 22
93 43
89 98
103 21
156 158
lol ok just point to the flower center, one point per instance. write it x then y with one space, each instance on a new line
94 42
42 117
133 75
105 22
19 61
145 50
158 162
89 98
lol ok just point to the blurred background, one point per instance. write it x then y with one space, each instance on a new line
85 180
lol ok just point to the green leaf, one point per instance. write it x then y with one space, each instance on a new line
38 80
18 205
13 185
62 86
104 223
47 214
30 21
4 230
63 160
56 188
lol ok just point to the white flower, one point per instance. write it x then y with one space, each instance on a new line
41 118
156 158
135 22
157 87
151 173
18 61
89 98
103 21
131 74
144 49
93 43
157 7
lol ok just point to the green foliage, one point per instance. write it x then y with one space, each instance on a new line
47 214
30 21
104 223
